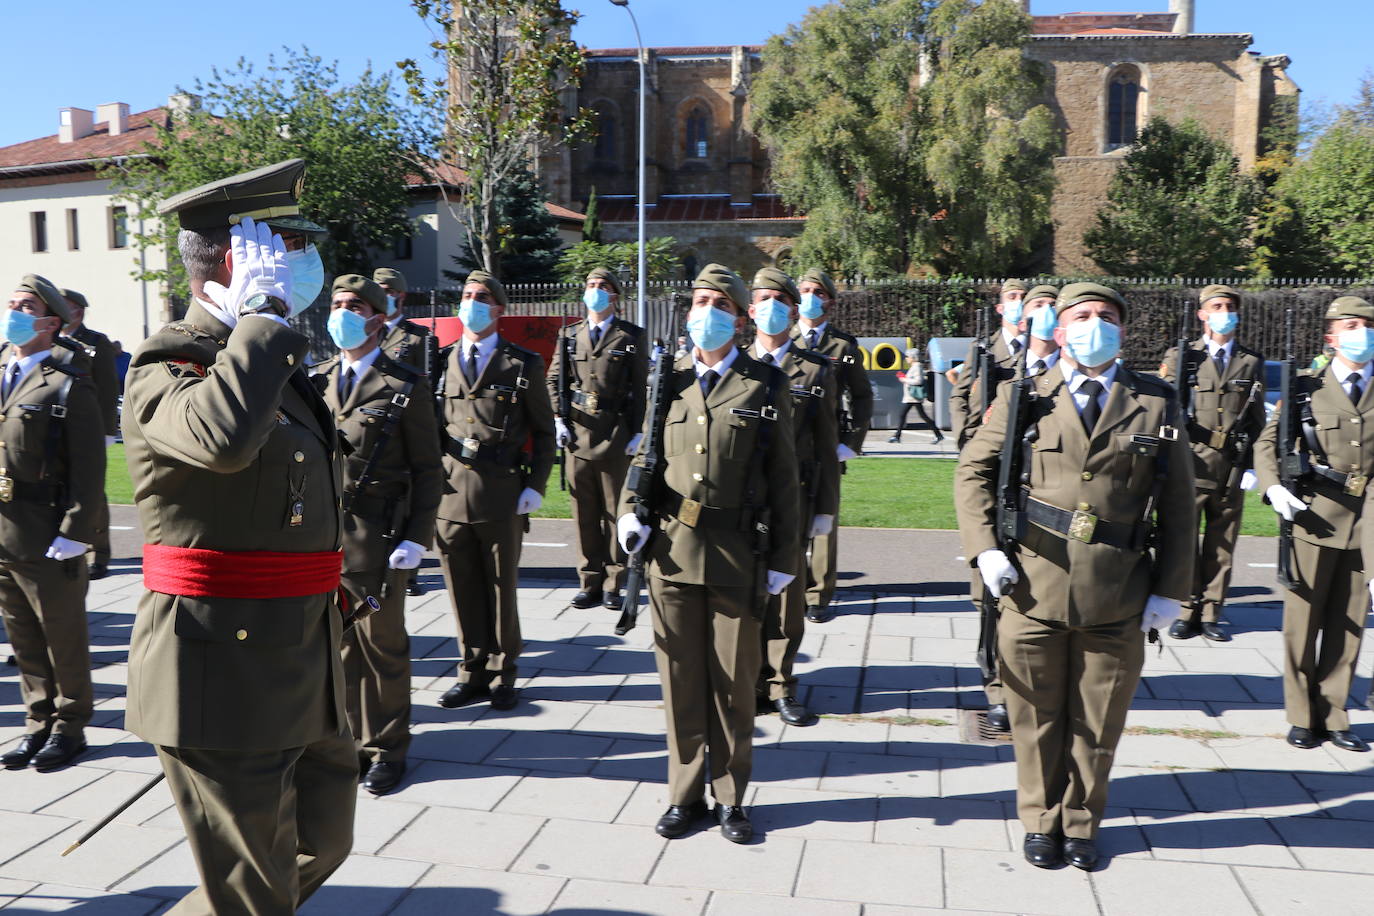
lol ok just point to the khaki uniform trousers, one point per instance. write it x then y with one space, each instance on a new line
1067 691
44 608
100 545
481 564
1216 550
822 571
706 643
595 490
1323 621
376 665
784 625
266 827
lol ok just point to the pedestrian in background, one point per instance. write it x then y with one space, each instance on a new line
914 396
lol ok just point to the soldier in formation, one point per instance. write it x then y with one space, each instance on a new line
1006 344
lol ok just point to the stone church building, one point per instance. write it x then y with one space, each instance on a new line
707 179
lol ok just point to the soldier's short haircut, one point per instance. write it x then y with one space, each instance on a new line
202 251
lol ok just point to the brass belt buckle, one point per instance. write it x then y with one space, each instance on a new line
1218 440
1355 484
689 512
471 447
590 402
6 486
1082 526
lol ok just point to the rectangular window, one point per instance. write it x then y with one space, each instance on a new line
402 248
119 227
38 226
73 236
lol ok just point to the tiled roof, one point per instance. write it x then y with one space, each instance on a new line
452 176
564 213
696 208
701 51
49 154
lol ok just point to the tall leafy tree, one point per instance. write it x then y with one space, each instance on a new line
1178 206
1328 192
526 232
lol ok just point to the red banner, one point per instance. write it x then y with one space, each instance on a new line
533 332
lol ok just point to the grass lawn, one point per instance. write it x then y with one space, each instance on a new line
877 493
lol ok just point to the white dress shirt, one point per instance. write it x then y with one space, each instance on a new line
1344 374
778 354
719 368
1075 380
360 367
25 364
484 346
1047 363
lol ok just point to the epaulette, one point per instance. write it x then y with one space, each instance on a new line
514 349
576 324
807 356
629 327
397 370
845 336
1152 385
324 366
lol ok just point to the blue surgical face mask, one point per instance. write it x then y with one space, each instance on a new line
1093 342
1355 344
17 327
1012 311
710 328
475 315
1223 322
596 300
307 278
347 328
812 306
772 316
391 305
1043 322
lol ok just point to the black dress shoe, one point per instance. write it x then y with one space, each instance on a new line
587 598
503 696
998 720
1184 628
678 819
734 823
1305 738
817 614
383 776
1349 741
613 601
1080 853
792 712
1215 633
30 744
894 439
463 694
58 752
99 571
413 588
1041 850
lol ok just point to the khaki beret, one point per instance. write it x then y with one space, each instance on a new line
1042 290
390 276
1075 293
269 195
493 285
772 278
1218 289
1011 284
368 290
51 296
603 273
74 298
1350 307
816 275
724 280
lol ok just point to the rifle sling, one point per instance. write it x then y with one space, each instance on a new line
394 409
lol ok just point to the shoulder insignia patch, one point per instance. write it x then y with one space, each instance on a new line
184 368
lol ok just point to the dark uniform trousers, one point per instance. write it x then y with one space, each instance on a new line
1221 511
594 485
782 630
1330 601
44 608
376 666
481 564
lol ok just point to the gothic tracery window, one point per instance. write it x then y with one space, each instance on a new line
1123 107
698 133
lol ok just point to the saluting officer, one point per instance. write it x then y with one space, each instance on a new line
814 331
1105 451
236 677
494 402
392 483
605 383
1324 614
1225 399
727 539
816 436
965 398
52 481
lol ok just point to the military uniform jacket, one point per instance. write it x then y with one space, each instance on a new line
1067 580
225 436
851 379
1216 404
506 418
815 422
607 385
1345 432
965 398
73 462
103 373
710 444
407 477
405 343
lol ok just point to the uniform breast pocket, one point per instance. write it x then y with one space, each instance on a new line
1135 458
675 436
740 433
1330 432
1048 462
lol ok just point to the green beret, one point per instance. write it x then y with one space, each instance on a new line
51 296
1350 307
772 278
603 273
1008 285
816 275
1218 289
74 298
1042 290
269 195
724 280
367 290
390 276
1075 293
493 285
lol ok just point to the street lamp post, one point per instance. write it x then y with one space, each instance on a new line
641 314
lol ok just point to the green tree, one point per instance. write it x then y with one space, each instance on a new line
909 133
660 257
526 231
352 136
1178 206
591 227
1328 193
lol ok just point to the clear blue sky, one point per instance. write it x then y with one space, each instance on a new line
84 52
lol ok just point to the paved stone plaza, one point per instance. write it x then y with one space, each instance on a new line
880 809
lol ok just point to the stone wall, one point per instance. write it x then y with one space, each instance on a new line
742 245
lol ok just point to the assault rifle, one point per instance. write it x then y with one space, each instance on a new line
434 363
1240 440
645 480
1182 380
982 361
565 364
1290 459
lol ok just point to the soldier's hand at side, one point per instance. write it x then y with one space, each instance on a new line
406 555
845 452
633 445
997 572
1159 613
1248 480
529 501
1284 503
777 581
561 434
65 549
631 533
822 525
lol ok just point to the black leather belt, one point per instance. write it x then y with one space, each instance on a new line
46 493
471 452
694 515
1081 525
1352 484
1212 438
375 508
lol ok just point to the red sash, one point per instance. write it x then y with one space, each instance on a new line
199 573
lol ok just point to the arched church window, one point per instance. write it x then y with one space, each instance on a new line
1123 107
604 150
698 133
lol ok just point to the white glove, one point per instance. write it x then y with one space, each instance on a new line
777 581
406 555
845 452
109 441
822 525
1248 480
63 549
1284 503
529 501
631 533
633 445
561 434
259 258
1159 613
997 572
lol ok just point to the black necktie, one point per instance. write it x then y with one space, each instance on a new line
811 339
766 359
1219 358
708 381
1037 367
1091 410
470 366
12 379
1016 345
346 388
595 335
1356 391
